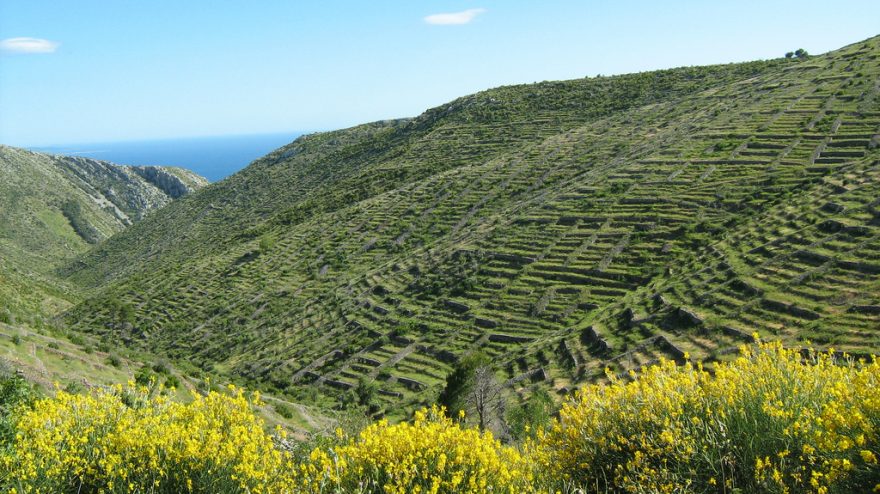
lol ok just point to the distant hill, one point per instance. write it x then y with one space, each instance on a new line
562 227
53 208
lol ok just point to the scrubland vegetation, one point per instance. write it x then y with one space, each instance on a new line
535 288
559 228
774 420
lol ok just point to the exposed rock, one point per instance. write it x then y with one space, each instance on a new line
744 287
506 338
567 354
862 267
664 344
832 207
411 384
736 333
485 323
338 384
689 315
589 336
865 309
393 394
369 361
169 182
456 306
790 309
514 258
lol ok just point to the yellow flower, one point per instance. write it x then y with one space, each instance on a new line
430 454
122 437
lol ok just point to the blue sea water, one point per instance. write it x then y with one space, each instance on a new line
214 158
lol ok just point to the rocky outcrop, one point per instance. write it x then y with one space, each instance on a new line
131 191
169 182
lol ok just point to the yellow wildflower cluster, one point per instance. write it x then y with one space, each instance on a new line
121 440
432 454
765 422
775 420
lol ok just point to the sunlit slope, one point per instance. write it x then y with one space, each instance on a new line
561 241
325 172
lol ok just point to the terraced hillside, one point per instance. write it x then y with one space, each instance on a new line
562 228
53 208
324 172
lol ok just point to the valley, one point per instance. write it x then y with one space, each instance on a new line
559 233
610 283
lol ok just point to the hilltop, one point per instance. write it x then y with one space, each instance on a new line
561 228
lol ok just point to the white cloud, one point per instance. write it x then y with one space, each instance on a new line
454 18
27 45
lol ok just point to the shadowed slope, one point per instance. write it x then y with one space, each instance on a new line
53 208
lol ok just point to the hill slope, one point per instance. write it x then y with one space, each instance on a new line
324 172
561 227
53 208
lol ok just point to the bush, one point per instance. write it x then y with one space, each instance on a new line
266 244
121 440
431 454
161 367
531 416
772 421
6 317
764 423
172 382
365 391
283 410
145 377
15 395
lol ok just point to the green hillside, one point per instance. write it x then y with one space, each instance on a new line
561 228
53 208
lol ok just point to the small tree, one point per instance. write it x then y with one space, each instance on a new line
365 391
266 244
473 388
458 383
486 398
789 54
801 53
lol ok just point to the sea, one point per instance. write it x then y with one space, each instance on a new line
214 158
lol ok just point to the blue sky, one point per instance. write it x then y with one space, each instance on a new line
120 70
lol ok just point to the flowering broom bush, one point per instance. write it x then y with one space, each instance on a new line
763 423
121 440
433 454
772 421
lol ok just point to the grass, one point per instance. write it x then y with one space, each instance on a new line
51 359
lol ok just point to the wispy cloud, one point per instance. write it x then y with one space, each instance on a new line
27 45
454 18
